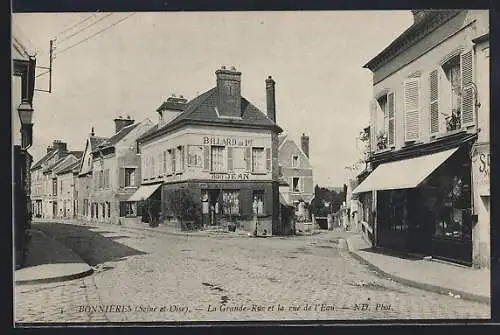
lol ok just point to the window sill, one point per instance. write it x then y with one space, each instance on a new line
259 173
448 133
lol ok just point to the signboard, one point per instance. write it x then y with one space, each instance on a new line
482 171
230 176
227 141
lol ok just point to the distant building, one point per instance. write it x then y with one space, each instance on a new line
115 172
221 148
296 170
67 197
428 185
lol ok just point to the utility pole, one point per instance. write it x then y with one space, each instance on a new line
49 68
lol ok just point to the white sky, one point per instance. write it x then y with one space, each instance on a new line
315 57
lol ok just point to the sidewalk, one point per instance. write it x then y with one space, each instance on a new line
48 260
431 275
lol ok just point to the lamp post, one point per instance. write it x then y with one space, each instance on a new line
26 116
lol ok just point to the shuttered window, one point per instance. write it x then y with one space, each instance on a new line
373 126
172 154
248 158
411 109
468 94
230 158
206 157
391 131
268 159
434 96
161 166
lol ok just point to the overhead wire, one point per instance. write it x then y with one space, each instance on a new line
76 24
93 35
85 28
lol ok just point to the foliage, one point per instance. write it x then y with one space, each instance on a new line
453 121
181 204
382 140
322 196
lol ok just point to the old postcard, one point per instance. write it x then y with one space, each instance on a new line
251 166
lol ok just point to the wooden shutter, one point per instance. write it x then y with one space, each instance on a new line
160 164
301 184
181 154
248 158
174 167
391 125
434 97
373 124
230 158
121 177
412 109
206 157
468 93
268 159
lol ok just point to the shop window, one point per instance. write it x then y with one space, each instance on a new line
295 161
217 155
258 203
258 160
230 202
129 177
128 208
296 184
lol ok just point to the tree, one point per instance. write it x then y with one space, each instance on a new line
181 204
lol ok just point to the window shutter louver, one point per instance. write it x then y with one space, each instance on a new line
434 95
468 94
391 124
301 184
373 127
122 177
248 161
206 157
181 153
412 109
268 159
174 167
230 158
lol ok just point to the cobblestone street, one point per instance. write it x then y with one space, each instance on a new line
154 276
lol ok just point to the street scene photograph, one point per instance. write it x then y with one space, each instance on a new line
250 166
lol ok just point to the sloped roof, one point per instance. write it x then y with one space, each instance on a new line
42 160
113 140
202 109
281 139
95 141
54 165
78 154
70 167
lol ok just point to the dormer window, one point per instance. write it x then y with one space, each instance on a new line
295 161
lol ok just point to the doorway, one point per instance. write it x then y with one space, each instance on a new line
214 206
54 209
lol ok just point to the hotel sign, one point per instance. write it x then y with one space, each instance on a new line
482 168
227 141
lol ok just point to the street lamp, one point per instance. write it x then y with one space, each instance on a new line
26 116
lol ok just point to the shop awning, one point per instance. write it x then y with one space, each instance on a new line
408 173
144 192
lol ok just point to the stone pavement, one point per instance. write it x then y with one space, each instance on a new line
432 275
144 275
48 260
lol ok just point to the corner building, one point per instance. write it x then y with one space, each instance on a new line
220 147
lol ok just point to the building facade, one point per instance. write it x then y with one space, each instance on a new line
429 163
220 147
296 169
114 173
67 196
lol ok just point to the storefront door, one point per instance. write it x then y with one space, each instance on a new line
393 220
214 206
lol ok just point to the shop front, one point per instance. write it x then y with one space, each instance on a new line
423 205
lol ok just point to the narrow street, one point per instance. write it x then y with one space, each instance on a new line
154 276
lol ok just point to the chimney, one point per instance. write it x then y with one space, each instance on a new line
172 106
59 145
228 92
304 143
92 132
120 123
271 100
49 149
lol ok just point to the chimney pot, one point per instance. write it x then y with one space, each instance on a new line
120 123
271 99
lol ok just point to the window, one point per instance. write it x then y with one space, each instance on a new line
128 208
295 184
385 121
179 153
239 162
258 203
453 89
54 186
129 177
173 160
230 202
218 158
108 205
164 162
295 161
161 165
60 186
153 170
195 153
258 160
103 208
411 105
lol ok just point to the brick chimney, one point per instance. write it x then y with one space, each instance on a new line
59 145
270 98
304 143
171 108
228 92
49 148
418 14
121 122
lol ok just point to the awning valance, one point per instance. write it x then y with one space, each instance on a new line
408 173
144 192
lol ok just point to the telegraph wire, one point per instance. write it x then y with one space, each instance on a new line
85 28
77 24
95 34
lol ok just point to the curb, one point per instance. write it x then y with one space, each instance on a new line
56 279
61 278
416 284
